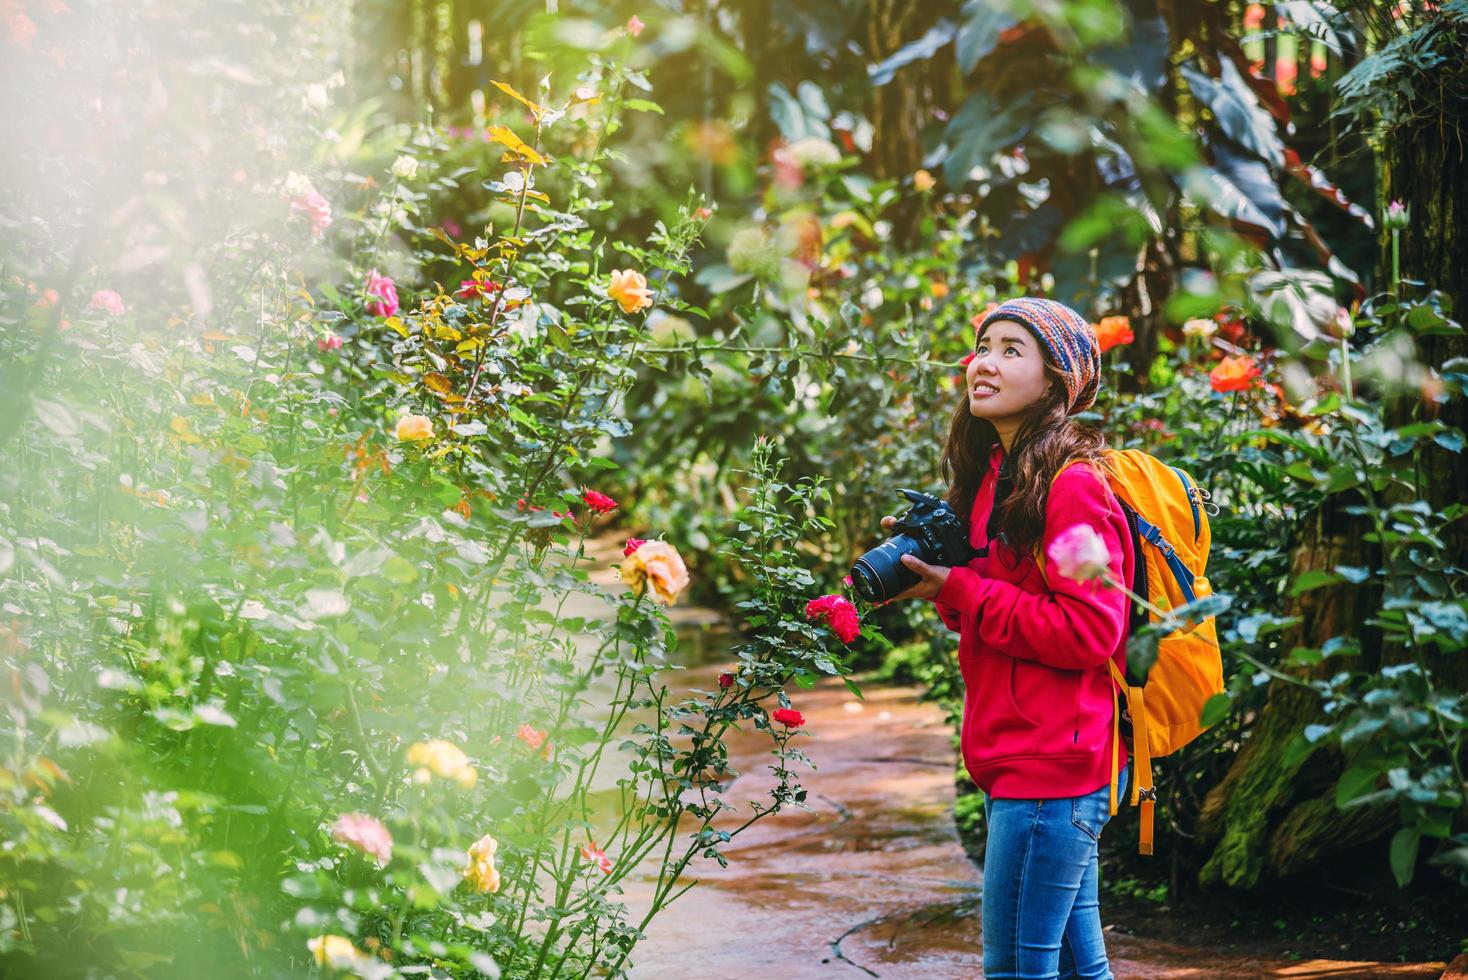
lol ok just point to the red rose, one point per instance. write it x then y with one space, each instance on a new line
838 613
726 680
474 289
632 545
599 502
788 717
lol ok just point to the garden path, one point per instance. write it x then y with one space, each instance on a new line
871 880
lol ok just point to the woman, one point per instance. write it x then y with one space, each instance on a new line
1037 714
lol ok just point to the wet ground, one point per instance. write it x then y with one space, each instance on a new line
870 880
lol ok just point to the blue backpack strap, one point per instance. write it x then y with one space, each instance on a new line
1180 572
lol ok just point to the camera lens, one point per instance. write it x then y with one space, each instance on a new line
879 574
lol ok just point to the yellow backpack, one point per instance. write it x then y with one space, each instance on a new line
1169 523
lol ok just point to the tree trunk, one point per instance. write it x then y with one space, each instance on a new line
904 105
1242 816
1265 819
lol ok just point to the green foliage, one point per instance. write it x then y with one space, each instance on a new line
307 663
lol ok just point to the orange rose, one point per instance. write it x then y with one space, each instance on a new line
629 288
1234 374
1113 331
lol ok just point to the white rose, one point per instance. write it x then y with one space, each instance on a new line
405 167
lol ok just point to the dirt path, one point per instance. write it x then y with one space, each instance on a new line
872 882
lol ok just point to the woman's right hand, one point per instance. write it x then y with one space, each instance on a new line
932 576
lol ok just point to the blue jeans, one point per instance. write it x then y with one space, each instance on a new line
1042 916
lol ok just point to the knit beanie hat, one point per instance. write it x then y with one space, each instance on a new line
1068 337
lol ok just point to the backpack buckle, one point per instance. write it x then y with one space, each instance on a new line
1148 795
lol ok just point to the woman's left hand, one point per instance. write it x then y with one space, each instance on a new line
933 577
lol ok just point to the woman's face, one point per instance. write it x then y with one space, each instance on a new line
1006 378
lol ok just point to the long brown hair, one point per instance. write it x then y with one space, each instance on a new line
1046 441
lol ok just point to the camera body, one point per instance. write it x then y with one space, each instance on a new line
930 530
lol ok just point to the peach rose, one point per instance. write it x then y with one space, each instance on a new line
439 758
481 873
657 563
414 428
629 288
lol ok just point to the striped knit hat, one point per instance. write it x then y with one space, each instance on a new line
1069 339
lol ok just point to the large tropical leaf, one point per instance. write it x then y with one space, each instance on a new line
1241 187
1142 58
1029 231
920 50
1237 111
981 26
1302 299
803 114
1313 178
978 130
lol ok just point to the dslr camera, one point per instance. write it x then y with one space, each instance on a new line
930 530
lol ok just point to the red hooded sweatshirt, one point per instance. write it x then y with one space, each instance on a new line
1037 707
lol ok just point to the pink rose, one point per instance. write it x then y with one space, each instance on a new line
315 208
635 25
530 735
1079 553
597 857
330 342
108 302
386 293
366 834
632 545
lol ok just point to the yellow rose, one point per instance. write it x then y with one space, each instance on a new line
440 758
629 288
414 428
335 952
658 563
481 873
922 181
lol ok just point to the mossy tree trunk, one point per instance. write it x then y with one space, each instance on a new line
1265 819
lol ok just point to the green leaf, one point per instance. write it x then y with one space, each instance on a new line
1404 847
851 686
1313 579
1355 782
1215 709
399 570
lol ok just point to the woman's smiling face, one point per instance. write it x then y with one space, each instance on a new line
1007 375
